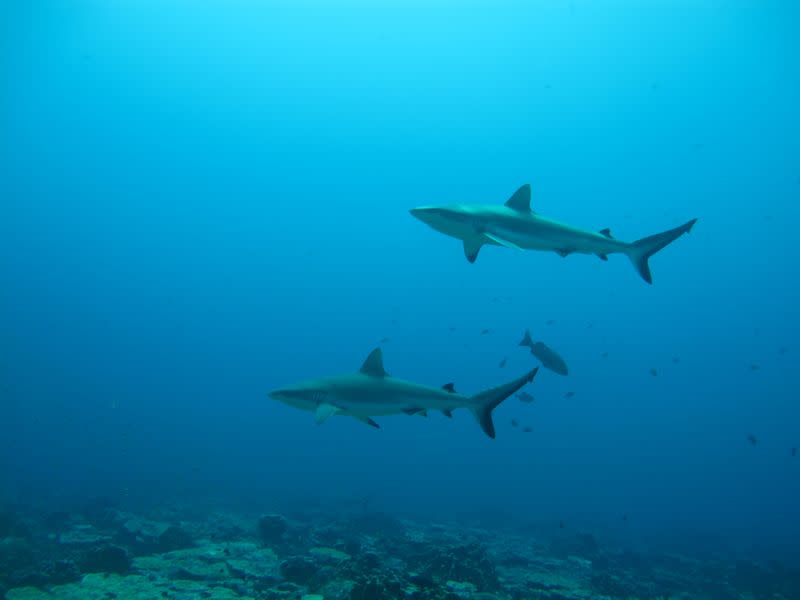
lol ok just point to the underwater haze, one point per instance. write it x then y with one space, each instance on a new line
205 201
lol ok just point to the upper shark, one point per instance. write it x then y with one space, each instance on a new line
515 225
372 392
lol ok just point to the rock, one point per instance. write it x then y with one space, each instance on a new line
13 526
326 555
298 569
580 544
377 524
174 538
462 589
271 529
106 559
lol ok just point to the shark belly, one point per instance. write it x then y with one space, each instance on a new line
540 234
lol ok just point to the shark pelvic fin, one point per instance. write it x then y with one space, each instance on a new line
607 233
501 241
521 200
563 252
373 365
447 413
602 256
449 387
324 412
472 246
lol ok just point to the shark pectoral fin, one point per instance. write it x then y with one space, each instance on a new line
449 387
501 241
447 413
602 256
368 421
472 245
324 412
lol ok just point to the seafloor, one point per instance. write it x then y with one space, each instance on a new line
105 553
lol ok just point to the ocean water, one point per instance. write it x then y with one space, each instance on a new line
201 202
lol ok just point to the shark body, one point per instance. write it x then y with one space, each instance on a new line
515 225
372 392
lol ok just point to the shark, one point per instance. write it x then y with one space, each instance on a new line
372 392
515 225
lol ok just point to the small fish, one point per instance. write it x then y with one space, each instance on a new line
755 367
384 340
604 355
451 328
794 451
676 360
527 429
782 350
548 357
569 394
589 325
525 397
549 322
514 422
484 331
502 363
654 372
698 146
561 524
752 439
625 518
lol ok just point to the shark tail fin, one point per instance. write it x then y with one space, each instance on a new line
641 250
526 339
485 402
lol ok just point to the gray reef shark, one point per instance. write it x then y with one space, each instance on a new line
515 225
372 392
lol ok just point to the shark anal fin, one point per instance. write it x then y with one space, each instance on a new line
415 411
472 246
368 421
449 387
447 413
521 200
607 233
563 252
324 412
602 256
501 241
373 365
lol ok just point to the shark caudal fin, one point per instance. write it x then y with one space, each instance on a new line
485 402
641 250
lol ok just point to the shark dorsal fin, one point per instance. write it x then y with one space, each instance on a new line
526 339
521 200
373 366
607 233
449 387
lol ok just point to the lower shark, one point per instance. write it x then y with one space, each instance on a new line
515 225
372 392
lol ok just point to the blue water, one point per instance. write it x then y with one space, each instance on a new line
204 201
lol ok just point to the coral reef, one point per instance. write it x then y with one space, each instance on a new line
104 553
